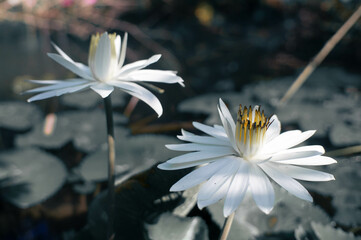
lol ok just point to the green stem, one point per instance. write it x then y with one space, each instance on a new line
111 164
227 227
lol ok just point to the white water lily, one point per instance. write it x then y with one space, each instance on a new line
237 157
106 71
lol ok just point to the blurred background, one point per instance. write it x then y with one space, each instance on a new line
245 51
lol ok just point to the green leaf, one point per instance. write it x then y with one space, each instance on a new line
42 175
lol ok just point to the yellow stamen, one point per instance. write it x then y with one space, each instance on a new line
250 129
93 46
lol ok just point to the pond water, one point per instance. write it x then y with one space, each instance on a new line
246 54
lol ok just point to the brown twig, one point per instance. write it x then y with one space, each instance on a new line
344 151
321 56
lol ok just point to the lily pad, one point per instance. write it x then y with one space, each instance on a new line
308 116
19 116
323 103
345 135
42 176
327 232
89 99
84 188
288 213
133 154
7 174
345 191
347 174
173 227
86 128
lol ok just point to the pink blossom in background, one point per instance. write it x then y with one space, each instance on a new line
88 2
29 3
66 3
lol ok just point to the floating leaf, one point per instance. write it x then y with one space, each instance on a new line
329 233
19 116
173 227
7 173
343 134
86 128
300 233
89 99
133 154
287 213
345 191
84 188
42 176
319 87
308 116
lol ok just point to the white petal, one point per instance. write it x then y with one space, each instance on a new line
150 75
117 44
225 172
103 57
126 69
70 66
300 152
187 136
219 127
58 85
62 53
58 92
123 50
274 129
170 166
237 190
261 188
217 196
228 127
197 147
81 66
176 166
286 140
103 89
303 173
288 183
227 115
189 157
214 132
310 161
141 93
46 82
198 176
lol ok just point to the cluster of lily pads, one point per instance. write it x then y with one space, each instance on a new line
30 173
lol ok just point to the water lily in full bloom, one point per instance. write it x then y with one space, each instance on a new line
238 157
106 71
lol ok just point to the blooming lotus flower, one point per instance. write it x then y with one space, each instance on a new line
242 156
106 71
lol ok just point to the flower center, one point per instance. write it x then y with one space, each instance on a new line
250 130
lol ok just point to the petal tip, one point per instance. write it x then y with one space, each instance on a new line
267 210
161 166
227 211
200 205
174 188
